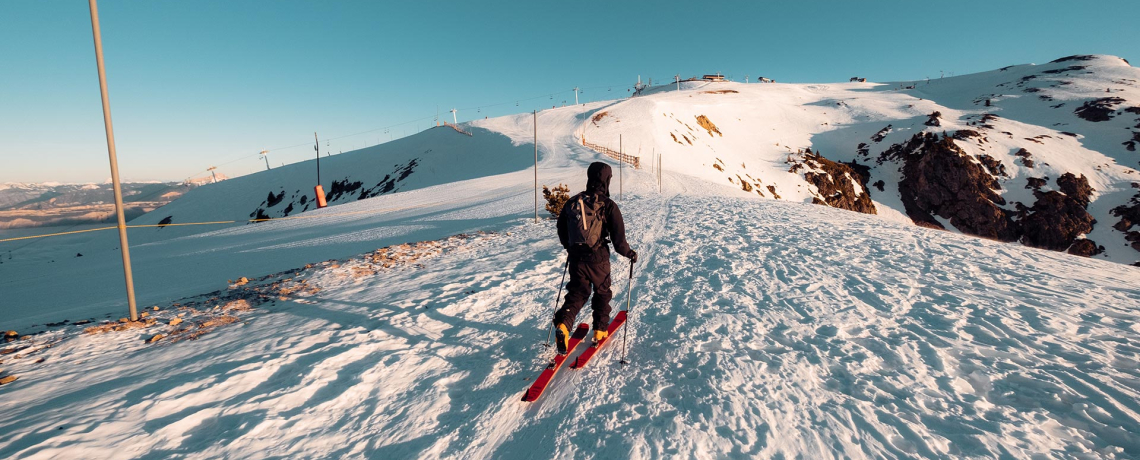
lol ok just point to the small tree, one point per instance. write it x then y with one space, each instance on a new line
556 198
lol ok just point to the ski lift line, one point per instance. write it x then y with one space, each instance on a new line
182 224
512 101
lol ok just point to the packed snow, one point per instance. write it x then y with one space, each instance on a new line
759 328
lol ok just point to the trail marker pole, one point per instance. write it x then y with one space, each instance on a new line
123 245
621 162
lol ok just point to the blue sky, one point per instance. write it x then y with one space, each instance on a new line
201 83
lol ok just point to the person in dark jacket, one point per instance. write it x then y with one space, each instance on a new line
590 267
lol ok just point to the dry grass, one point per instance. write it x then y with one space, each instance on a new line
708 125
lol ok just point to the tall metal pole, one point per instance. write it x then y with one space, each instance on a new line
535 114
123 246
621 162
318 149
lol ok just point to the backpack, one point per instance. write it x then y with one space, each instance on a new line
585 221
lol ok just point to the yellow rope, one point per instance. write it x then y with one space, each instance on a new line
219 222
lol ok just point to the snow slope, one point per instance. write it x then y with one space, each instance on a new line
759 128
760 328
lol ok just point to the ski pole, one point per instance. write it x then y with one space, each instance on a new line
565 268
629 296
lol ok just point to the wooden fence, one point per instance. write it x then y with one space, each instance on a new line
629 159
456 128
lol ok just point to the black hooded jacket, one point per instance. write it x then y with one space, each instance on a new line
598 183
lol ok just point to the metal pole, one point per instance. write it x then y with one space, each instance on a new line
565 268
318 149
628 299
620 167
124 247
535 114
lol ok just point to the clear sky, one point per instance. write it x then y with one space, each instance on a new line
196 83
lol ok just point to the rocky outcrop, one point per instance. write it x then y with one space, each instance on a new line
839 185
1055 221
1129 215
939 179
1099 109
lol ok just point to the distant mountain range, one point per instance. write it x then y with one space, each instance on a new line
51 204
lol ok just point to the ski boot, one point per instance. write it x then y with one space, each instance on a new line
600 335
562 338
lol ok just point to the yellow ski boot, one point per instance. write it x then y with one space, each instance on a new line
600 336
562 338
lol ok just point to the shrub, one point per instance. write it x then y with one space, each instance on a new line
556 198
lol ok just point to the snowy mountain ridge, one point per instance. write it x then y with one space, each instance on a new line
407 320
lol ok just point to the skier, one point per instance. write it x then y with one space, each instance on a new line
584 224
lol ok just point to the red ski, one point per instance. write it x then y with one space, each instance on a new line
584 358
547 375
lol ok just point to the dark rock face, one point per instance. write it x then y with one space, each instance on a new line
1085 248
1129 215
1099 109
1076 188
993 165
934 119
940 179
1055 221
1026 157
836 183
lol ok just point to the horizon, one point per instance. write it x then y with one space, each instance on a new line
212 84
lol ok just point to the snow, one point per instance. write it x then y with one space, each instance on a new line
759 328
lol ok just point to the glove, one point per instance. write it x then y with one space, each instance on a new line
632 256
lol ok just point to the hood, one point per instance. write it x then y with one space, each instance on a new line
598 178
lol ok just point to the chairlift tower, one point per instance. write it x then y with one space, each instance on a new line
453 119
265 155
575 95
212 175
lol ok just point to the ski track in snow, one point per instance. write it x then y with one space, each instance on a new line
759 329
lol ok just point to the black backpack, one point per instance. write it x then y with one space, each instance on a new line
585 221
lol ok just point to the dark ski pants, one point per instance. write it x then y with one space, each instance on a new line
583 276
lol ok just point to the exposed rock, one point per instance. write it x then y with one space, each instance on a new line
1076 188
934 119
940 179
1085 248
155 338
993 165
772 189
1054 221
836 183
1099 109
882 134
176 321
11 334
1026 157
1036 183
9 379
879 185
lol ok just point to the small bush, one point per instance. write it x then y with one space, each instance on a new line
556 198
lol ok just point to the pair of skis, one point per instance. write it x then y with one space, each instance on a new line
576 339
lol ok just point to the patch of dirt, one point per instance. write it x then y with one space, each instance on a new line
598 117
720 91
708 125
